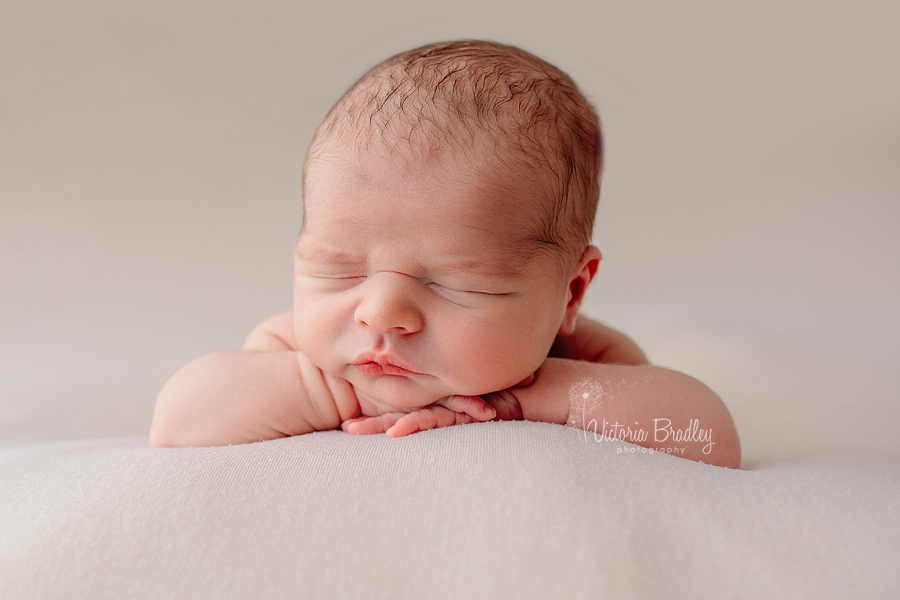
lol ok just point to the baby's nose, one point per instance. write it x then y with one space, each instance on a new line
388 304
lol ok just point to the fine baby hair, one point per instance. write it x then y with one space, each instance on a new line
489 105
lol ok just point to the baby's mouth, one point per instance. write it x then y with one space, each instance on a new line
374 366
374 369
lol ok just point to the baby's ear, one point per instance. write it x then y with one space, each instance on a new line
584 272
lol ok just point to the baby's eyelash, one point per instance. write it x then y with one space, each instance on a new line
467 291
332 276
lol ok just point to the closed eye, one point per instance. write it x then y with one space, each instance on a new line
343 279
440 287
328 283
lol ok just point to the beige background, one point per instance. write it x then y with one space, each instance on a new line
150 193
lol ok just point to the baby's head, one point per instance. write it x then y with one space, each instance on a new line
489 108
449 198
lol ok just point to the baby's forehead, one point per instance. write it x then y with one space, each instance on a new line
487 187
480 161
454 205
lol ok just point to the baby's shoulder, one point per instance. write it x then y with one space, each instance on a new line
273 334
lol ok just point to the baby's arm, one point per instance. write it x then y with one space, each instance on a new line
265 390
590 340
645 405
596 342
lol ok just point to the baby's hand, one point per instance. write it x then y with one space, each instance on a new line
452 410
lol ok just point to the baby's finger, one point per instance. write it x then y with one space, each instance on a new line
474 406
404 426
359 427
423 419
506 405
411 423
369 425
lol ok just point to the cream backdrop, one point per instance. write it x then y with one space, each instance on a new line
150 193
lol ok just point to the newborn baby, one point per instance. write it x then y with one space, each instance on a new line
449 200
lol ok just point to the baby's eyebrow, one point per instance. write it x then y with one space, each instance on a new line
506 267
492 268
330 255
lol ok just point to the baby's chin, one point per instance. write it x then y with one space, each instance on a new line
402 393
396 392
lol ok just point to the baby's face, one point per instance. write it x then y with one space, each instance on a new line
407 283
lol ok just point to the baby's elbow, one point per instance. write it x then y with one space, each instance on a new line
161 436
723 444
168 426
179 414
727 448
708 433
732 454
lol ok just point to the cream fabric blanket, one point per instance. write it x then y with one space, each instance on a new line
493 510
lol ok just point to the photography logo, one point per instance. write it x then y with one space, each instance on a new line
585 398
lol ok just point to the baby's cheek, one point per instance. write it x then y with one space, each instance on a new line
312 330
489 361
